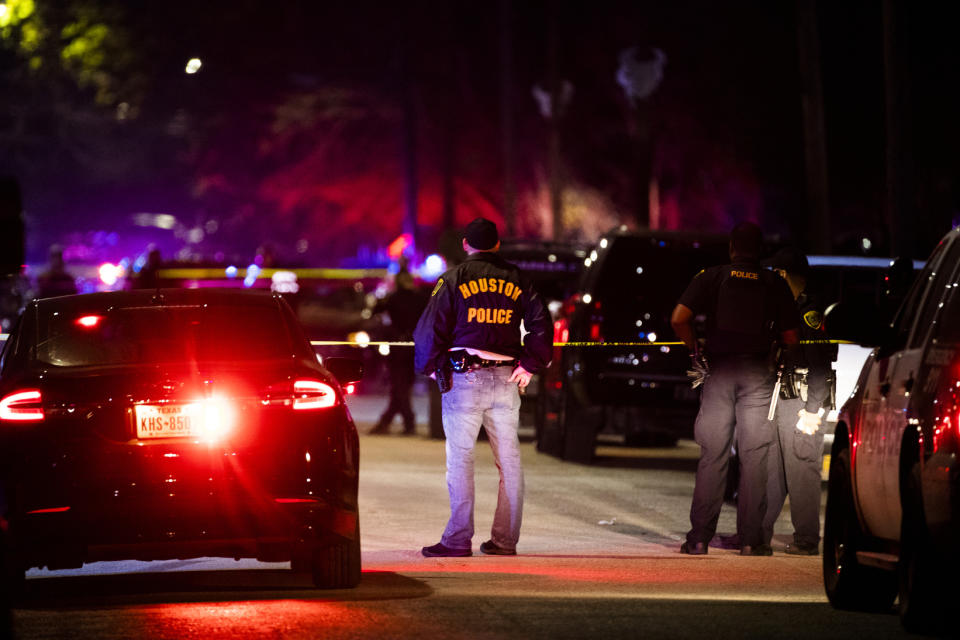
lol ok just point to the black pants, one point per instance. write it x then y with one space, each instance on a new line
400 368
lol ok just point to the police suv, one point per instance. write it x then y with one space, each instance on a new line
893 505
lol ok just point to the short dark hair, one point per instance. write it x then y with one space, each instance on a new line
481 234
746 240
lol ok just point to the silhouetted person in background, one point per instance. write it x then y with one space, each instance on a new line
403 307
55 281
149 276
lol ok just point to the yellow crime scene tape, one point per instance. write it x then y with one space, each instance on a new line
377 343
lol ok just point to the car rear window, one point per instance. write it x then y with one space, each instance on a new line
650 273
140 335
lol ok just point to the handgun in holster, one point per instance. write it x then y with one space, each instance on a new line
444 374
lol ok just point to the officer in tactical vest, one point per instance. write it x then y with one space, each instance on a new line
469 340
797 453
747 309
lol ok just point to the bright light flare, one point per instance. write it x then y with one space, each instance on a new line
22 406
193 65
110 273
88 322
362 338
217 419
349 390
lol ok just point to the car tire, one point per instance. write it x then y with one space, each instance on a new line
337 566
848 584
12 573
920 606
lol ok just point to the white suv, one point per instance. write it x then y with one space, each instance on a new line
893 504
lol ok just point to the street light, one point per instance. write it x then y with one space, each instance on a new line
193 65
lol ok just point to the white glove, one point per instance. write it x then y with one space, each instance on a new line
809 422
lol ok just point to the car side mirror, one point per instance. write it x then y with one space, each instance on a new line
859 323
345 370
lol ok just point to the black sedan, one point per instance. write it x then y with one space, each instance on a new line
165 424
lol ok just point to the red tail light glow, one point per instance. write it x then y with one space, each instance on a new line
22 406
561 331
313 394
349 389
88 322
51 510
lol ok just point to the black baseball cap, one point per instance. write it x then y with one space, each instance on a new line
790 260
482 234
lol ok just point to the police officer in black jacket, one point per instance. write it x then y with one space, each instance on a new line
469 340
747 309
797 452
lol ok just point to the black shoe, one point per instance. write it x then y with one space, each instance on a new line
729 542
491 549
693 548
802 549
757 550
441 550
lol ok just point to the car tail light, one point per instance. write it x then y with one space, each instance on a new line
22 406
219 419
595 334
313 394
88 322
561 330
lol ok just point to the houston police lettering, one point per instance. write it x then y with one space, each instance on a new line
490 315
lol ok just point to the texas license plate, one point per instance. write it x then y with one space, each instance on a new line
167 420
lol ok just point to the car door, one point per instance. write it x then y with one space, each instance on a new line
886 397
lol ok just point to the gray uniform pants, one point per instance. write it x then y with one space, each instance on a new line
794 465
737 394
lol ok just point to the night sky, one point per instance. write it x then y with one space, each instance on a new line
297 130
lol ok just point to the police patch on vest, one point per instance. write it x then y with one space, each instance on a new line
813 319
437 288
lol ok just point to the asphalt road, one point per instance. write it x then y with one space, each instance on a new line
598 558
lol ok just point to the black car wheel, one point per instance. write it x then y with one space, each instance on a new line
12 574
920 607
849 585
338 566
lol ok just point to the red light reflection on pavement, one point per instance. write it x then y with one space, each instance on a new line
262 619
634 570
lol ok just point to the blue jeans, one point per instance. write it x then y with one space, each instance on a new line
483 397
735 401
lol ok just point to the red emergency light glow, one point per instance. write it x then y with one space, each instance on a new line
22 406
294 500
313 394
88 322
350 388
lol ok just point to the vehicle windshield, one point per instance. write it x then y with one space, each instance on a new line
141 335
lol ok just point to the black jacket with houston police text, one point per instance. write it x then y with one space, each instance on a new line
479 304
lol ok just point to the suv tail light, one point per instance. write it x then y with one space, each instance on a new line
561 330
22 406
313 394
